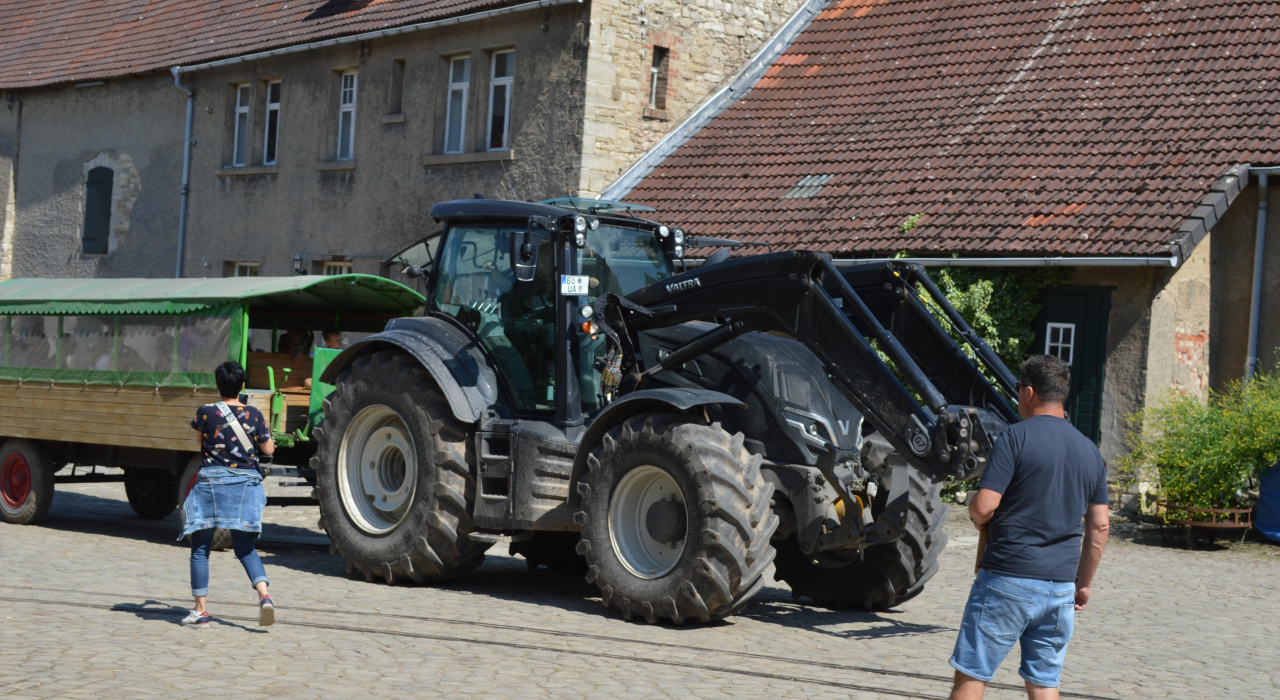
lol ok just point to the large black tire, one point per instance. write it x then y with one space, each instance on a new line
425 461
221 536
26 481
888 574
152 494
723 527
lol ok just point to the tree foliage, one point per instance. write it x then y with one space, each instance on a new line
1000 303
1207 453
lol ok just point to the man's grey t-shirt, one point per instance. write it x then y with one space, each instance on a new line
1049 474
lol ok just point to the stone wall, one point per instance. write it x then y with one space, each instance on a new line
708 42
10 118
133 125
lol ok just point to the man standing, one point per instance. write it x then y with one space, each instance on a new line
1042 478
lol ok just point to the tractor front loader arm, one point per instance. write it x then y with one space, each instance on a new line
908 391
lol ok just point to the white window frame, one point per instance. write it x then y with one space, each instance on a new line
238 158
243 269
494 83
347 106
463 87
272 107
336 267
1054 346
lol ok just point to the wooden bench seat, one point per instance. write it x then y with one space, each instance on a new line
1212 519
299 370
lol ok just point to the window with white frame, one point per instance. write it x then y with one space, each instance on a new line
455 120
1059 340
270 139
240 135
241 269
500 100
347 116
336 267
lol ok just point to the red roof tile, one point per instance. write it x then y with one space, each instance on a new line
43 42
1011 126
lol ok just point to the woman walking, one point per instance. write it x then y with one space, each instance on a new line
228 492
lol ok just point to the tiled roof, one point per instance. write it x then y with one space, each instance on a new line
1010 127
43 42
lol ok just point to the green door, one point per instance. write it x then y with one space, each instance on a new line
1073 326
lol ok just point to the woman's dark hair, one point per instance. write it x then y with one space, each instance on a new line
1049 376
230 377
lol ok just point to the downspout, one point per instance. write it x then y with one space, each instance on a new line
1255 299
186 170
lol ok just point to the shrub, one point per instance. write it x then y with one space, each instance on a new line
1208 453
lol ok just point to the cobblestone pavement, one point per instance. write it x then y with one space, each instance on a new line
91 598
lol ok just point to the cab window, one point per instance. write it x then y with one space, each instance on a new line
514 321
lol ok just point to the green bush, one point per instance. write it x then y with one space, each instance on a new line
1208 454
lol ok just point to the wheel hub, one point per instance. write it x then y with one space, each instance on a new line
648 523
377 470
15 480
665 521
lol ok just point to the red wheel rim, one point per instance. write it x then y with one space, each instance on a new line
15 480
191 484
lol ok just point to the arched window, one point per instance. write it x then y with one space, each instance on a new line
97 211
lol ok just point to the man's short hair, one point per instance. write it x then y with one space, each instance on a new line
230 378
1049 376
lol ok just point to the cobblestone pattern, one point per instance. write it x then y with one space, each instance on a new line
90 601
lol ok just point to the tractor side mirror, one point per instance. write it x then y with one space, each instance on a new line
524 255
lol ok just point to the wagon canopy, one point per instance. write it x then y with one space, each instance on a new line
342 294
150 332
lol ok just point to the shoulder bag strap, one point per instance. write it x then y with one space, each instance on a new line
234 424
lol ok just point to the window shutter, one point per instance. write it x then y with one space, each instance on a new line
97 210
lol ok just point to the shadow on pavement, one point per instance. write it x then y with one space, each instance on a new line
155 611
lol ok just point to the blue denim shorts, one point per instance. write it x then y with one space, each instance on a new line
1003 610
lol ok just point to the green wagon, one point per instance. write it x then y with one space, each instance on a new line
108 372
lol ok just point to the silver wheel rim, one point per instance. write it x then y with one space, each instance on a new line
638 551
377 470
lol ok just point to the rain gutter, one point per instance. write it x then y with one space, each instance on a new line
1255 296
1140 261
186 172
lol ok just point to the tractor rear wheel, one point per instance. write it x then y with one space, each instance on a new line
675 519
887 574
394 474
26 481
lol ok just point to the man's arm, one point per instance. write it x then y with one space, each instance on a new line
1097 525
983 507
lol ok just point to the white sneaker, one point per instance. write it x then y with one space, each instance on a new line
266 612
199 620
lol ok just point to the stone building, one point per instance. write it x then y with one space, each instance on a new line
322 132
1128 144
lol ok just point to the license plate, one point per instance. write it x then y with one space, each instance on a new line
573 285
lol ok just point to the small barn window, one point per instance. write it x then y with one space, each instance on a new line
97 211
1059 341
658 73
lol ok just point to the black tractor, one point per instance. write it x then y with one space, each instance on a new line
671 433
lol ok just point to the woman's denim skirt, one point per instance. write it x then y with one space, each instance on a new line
226 497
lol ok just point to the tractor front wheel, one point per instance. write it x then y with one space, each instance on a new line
675 520
886 575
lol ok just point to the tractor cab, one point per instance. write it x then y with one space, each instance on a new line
517 276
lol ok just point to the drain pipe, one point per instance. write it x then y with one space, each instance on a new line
1255 299
186 170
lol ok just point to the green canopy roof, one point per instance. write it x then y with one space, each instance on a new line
334 293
